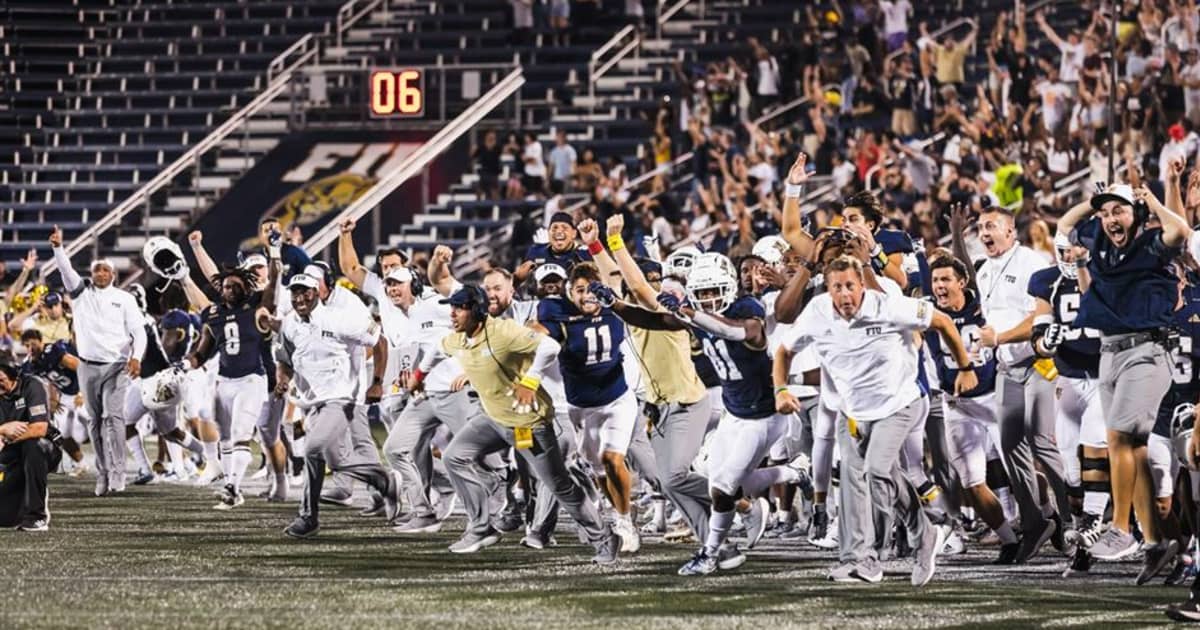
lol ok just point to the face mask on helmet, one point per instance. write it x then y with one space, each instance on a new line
1181 432
712 288
164 258
771 249
1062 245
162 390
680 262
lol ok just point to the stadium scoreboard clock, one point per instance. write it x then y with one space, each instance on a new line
396 93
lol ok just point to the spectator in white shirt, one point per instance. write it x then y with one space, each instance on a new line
110 339
895 22
534 180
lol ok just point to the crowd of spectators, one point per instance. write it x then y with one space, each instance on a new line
925 116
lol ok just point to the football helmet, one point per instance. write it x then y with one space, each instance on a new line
713 275
771 249
1182 421
1062 245
680 262
162 390
165 258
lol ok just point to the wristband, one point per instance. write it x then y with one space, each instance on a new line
273 252
594 248
377 380
418 375
810 266
793 191
1082 263
779 389
530 382
615 242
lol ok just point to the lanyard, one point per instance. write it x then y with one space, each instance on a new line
1000 274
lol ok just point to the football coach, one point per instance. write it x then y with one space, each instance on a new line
28 450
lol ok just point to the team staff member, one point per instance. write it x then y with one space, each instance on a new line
316 346
863 340
1024 397
504 362
1130 295
110 337
28 450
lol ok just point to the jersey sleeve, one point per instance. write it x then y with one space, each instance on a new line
1040 284
535 252
1087 234
549 315
908 313
747 308
894 242
355 327
36 404
373 285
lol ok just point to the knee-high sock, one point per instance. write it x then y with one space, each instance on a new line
138 448
718 528
238 459
759 480
196 446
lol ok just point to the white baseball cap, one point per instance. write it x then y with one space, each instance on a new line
303 280
1122 193
254 260
549 269
400 274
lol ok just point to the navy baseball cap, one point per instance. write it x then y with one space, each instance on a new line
649 266
562 217
176 318
465 296
52 299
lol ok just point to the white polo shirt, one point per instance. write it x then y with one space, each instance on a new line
428 322
320 352
107 323
870 358
1004 293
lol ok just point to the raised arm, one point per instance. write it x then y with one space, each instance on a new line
1175 228
793 229
71 279
28 264
958 226
641 290
589 234
348 257
440 276
195 295
1048 30
203 261
1173 189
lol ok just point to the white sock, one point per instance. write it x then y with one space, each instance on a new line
760 479
138 448
1007 502
210 452
281 485
196 446
238 460
1094 503
718 528
1006 534
176 454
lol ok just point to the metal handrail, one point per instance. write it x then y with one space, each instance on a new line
347 18
597 68
185 161
419 159
280 60
665 15
612 42
934 35
787 107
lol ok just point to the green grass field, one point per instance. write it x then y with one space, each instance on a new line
160 557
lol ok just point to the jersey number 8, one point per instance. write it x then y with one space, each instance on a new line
233 343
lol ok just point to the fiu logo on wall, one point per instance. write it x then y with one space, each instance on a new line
331 177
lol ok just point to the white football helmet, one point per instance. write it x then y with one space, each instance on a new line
713 259
165 258
1181 432
679 262
1062 245
162 390
709 277
771 249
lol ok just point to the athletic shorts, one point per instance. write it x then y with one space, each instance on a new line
738 446
606 428
971 427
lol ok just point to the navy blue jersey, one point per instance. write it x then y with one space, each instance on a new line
894 242
236 338
1079 354
48 365
704 367
1133 289
745 373
1186 355
541 253
590 359
968 321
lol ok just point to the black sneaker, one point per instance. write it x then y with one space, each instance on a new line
1178 574
819 525
1081 563
1188 612
1008 554
1032 541
34 525
376 508
302 527
1158 557
511 519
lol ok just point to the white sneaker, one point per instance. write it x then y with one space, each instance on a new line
261 473
211 475
954 545
830 540
631 541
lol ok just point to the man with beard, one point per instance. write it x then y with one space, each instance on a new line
562 249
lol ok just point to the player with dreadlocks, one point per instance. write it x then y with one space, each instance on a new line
232 328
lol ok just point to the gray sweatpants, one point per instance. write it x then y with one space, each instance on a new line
675 440
407 448
942 470
482 437
103 388
1026 413
871 474
330 440
364 446
545 504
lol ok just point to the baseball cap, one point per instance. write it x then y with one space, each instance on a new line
400 274
549 269
52 299
303 281
462 297
176 318
254 260
1122 193
649 266
562 217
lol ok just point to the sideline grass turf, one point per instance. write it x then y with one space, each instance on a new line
161 557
